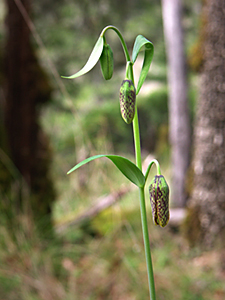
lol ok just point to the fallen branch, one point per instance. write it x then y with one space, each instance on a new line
90 213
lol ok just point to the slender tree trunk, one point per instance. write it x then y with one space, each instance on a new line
206 222
179 121
25 89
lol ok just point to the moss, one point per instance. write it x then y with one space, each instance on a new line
191 226
196 57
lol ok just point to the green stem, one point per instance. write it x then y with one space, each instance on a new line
121 39
129 71
149 167
144 223
137 145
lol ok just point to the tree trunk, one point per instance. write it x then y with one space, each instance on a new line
206 222
26 88
179 121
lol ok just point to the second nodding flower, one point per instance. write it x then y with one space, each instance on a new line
159 199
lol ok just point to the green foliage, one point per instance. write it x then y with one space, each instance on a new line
127 168
87 263
103 122
10 288
155 107
92 60
153 111
148 56
82 265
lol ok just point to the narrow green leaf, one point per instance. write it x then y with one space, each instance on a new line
129 169
92 61
148 56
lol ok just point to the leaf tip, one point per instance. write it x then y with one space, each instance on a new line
66 77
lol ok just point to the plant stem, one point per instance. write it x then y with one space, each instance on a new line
137 143
154 161
121 39
144 223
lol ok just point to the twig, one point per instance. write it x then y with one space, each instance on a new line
90 213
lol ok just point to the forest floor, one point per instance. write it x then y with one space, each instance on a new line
104 259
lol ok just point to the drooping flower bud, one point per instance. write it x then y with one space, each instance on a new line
127 100
106 62
159 199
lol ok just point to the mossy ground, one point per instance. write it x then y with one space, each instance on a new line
105 260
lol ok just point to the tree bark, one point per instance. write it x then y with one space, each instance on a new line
206 222
26 88
179 120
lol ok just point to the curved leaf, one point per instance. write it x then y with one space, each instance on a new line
92 61
129 169
148 56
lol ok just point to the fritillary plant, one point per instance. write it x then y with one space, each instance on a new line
158 189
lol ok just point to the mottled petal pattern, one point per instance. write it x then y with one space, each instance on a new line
127 100
159 199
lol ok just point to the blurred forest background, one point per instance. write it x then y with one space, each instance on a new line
56 239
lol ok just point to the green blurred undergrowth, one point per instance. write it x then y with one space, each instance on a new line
103 259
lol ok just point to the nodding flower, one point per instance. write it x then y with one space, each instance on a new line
106 62
127 100
159 199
